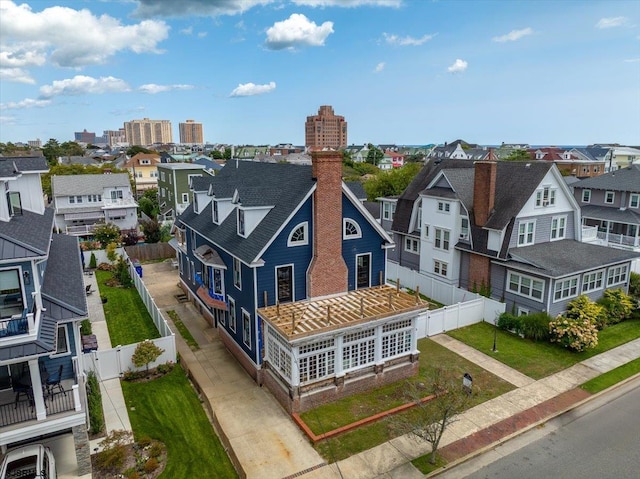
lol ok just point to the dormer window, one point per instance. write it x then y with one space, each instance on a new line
539 155
241 230
216 215
14 202
299 236
350 229
145 162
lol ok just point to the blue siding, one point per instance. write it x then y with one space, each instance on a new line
52 364
370 242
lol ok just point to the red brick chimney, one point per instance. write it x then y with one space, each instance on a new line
328 273
484 190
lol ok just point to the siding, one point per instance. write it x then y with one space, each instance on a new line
52 364
542 233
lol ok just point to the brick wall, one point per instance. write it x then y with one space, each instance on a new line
479 271
328 273
484 190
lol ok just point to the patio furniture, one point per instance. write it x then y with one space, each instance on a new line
55 381
19 388
88 289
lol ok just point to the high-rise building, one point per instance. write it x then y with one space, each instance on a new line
325 129
115 137
191 132
85 136
147 132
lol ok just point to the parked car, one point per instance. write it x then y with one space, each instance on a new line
34 461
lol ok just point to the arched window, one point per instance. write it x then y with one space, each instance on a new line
299 235
350 229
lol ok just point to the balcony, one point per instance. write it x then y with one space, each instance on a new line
619 241
17 325
82 230
589 234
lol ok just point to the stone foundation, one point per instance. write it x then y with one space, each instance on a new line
83 449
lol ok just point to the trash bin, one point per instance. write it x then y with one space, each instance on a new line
137 266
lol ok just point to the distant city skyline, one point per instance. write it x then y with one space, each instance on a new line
406 72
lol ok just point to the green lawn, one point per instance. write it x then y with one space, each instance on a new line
339 413
608 379
127 317
182 329
168 409
540 359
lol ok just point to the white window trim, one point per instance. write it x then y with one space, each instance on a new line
293 282
622 268
237 273
588 193
613 197
557 228
439 266
185 197
442 240
358 233
388 210
533 233
637 198
305 226
240 212
233 320
411 245
369 273
446 207
66 333
518 292
562 289
244 313
586 279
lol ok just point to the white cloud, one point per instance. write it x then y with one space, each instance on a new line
25 55
379 67
513 35
152 88
202 34
81 85
187 31
632 60
407 41
251 89
458 66
348 3
72 38
7 120
295 31
26 103
199 8
17 75
610 22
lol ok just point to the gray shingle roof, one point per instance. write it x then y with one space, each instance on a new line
357 189
611 214
26 235
11 166
63 285
65 185
561 258
624 179
280 186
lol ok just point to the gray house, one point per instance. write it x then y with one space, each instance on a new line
610 206
510 229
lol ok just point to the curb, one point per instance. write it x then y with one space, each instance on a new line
534 425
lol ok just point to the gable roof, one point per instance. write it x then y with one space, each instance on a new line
135 160
280 186
26 235
624 179
65 185
13 166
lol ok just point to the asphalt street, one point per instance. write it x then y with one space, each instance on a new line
600 439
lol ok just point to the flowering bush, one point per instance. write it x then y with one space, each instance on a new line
617 304
574 333
583 308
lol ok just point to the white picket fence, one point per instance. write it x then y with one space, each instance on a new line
112 363
463 307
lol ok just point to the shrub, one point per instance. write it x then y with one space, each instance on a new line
121 272
106 233
85 327
114 451
617 304
146 352
572 333
93 261
111 251
151 465
104 267
535 326
584 308
94 403
165 367
634 285
130 238
156 450
509 322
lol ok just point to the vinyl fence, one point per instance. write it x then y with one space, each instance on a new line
112 363
463 307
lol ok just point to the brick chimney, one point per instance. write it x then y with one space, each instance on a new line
328 273
484 190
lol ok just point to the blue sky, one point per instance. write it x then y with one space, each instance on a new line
399 71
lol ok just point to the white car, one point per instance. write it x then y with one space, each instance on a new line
34 461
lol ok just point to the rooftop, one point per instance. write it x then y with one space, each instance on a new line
305 318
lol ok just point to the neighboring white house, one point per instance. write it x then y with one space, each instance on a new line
81 202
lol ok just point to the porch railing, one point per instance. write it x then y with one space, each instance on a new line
80 230
623 240
589 233
24 409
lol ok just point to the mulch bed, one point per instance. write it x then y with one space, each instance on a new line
142 460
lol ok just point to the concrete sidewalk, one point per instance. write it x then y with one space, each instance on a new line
264 442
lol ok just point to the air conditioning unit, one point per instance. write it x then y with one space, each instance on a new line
545 203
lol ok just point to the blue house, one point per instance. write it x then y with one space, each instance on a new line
291 268
42 302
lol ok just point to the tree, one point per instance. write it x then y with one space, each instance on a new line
374 155
106 233
146 352
71 148
52 151
227 153
215 154
392 182
518 155
148 203
449 398
151 231
135 149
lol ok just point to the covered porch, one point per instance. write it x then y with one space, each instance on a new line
611 227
